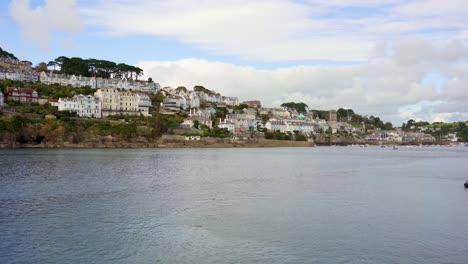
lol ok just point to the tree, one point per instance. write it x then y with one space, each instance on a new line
6 54
52 64
357 119
150 80
462 132
387 126
299 107
409 124
41 67
196 124
344 114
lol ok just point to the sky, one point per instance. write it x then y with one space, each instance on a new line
396 59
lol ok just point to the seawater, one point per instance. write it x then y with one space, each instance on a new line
278 205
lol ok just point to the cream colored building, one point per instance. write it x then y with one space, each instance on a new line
115 102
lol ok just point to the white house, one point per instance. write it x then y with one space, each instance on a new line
299 125
242 121
322 124
83 105
203 117
276 125
291 125
231 101
13 75
230 126
174 103
144 103
193 101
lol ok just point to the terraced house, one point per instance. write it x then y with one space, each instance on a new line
24 95
115 102
79 81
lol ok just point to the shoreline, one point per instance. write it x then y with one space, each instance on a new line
210 143
196 144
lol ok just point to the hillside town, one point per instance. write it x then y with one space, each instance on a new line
200 110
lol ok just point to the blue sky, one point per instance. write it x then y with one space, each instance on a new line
391 58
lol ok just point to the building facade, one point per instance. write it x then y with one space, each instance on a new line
98 83
174 103
24 95
115 102
229 125
144 103
83 105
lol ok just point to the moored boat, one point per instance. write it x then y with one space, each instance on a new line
466 184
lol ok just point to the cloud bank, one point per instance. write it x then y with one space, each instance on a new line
275 30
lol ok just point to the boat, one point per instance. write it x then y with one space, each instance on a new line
395 147
466 184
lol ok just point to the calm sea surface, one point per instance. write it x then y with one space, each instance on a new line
281 205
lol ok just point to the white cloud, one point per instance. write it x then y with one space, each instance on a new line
37 23
272 30
391 88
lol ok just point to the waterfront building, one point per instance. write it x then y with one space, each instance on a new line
24 95
304 127
144 103
226 123
276 125
115 102
82 105
242 121
291 125
203 118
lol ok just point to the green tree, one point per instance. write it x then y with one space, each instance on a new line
388 126
299 107
8 55
41 67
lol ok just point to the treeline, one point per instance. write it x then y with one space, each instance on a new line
299 107
93 67
8 55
